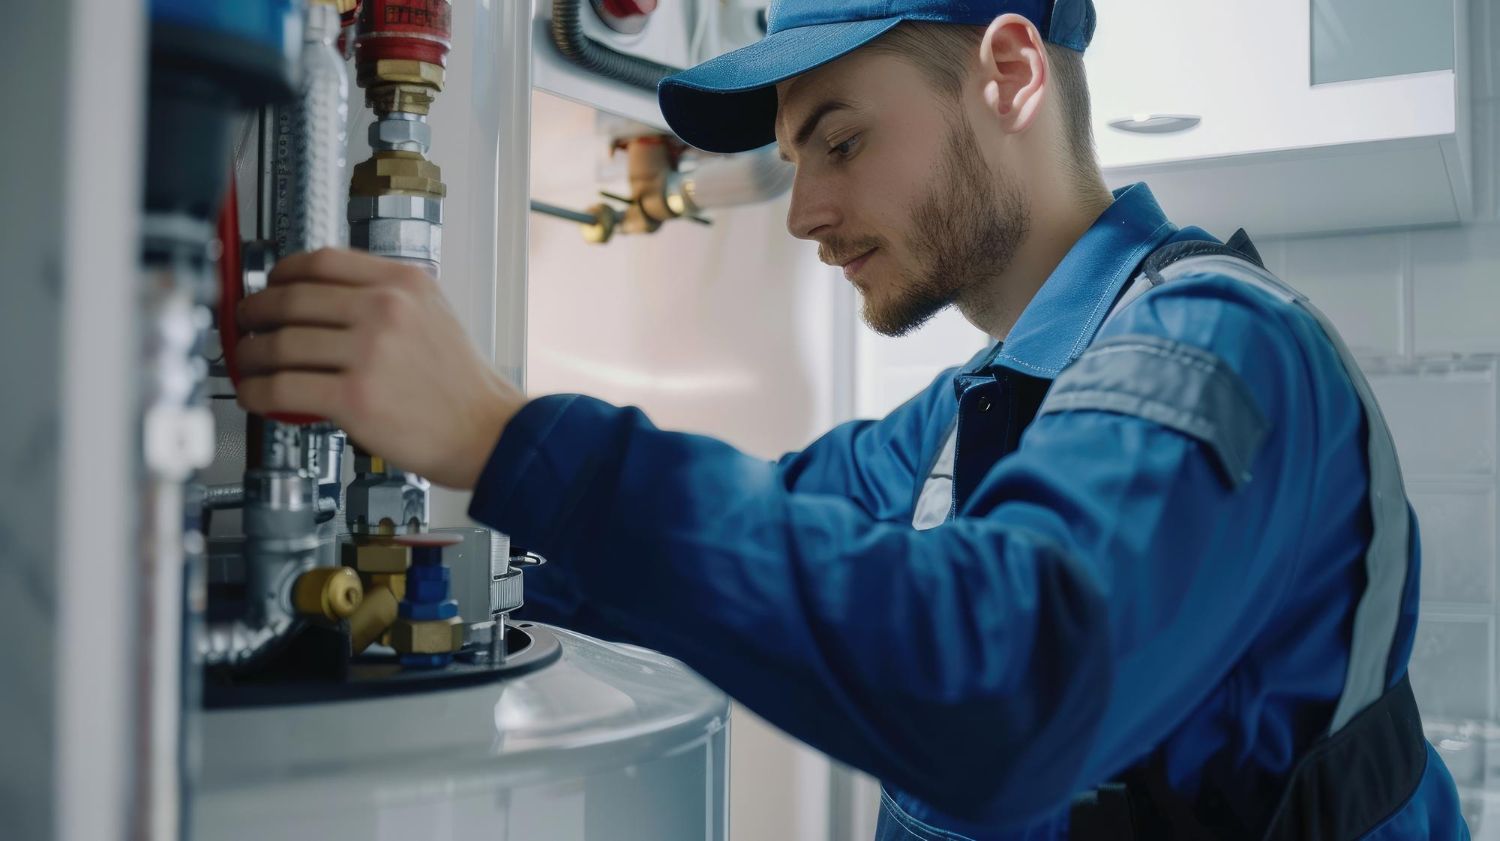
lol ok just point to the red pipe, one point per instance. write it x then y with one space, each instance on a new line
232 291
414 30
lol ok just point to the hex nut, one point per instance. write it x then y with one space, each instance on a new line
396 171
430 572
401 71
440 636
410 239
426 591
388 98
445 609
370 208
400 135
376 556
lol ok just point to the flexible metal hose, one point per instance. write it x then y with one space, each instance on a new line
310 144
575 46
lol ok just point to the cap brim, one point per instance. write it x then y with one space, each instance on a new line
728 104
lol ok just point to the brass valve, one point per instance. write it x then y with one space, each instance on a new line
330 592
375 615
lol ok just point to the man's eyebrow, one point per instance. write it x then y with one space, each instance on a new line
810 124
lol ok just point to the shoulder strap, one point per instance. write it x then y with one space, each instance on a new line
1374 730
1150 276
1388 554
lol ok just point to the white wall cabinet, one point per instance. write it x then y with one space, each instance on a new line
1286 116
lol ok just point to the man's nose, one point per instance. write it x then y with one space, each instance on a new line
813 211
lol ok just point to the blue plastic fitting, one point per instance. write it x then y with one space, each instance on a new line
427 611
425 661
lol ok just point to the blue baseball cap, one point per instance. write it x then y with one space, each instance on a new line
728 104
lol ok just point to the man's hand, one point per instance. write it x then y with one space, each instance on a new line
373 346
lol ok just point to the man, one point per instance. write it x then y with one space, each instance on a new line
1143 568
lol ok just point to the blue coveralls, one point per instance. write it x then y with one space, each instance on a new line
1106 591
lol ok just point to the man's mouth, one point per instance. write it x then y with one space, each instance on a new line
852 267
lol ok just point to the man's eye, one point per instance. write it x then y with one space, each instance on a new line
843 150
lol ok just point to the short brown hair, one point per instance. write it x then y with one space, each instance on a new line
944 53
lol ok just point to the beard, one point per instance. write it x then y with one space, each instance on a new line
964 234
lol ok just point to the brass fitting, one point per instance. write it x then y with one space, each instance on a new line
330 592
648 163
375 556
406 98
638 221
373 617
393 581
437 636
390 71
397 173
605 220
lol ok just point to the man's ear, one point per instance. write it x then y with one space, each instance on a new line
1013 60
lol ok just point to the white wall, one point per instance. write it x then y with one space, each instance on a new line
729 331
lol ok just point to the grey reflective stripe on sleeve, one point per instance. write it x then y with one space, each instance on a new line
1169 383
936 500
1389 552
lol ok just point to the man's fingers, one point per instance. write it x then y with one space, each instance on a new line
294 392
307 304
296 348
353 268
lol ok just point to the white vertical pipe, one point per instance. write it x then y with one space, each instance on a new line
481 129
102 200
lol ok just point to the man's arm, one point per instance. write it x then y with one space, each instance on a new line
877 464
1098 584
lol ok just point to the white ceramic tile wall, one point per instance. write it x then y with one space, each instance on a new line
1455 275
1457 524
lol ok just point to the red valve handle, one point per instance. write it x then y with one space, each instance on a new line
232 291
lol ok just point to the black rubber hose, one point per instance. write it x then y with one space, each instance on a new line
575 46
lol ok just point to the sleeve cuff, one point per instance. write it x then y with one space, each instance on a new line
522 488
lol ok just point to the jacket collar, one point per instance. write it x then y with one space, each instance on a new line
1062 319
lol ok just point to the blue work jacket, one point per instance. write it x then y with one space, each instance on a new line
1100 595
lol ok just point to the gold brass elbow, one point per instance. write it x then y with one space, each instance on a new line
330 592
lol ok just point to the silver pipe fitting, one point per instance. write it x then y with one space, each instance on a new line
385 500
729 181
